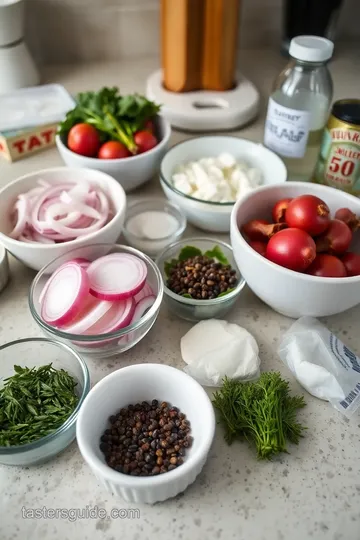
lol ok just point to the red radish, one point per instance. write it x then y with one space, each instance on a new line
92 313
308 213
348 217
260 229
118 316
326 265
83 139
113 150
351 262
291 248
258 246
116 276
145 291
279 209
65 294
336 239
145 141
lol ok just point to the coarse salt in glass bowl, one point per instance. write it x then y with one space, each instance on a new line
153 224
99 345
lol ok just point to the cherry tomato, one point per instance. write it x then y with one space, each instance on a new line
145 141
113 150
83 139
149 126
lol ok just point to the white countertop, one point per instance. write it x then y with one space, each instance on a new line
311 493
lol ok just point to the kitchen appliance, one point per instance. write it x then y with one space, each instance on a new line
17 68
198 84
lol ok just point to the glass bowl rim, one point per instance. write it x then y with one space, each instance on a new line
193 301
110 335
8 450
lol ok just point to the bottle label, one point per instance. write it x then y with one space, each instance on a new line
286 130
338 164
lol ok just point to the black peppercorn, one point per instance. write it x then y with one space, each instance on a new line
146 439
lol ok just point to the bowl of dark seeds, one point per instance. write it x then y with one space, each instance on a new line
145 431
201 279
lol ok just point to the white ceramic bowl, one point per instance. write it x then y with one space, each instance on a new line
145 382
291 293
38 255
130 172
211 216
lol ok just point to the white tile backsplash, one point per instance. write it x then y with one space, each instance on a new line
66 31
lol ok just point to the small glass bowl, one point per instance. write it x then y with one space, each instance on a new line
102 345
36 352
189 308
153 247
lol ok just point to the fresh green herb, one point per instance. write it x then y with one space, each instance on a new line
115 116
263 412
168 265
186 295
188 252
226 292
35 402
216 253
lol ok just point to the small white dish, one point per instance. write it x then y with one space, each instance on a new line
150 208
4 268
212 216
145 382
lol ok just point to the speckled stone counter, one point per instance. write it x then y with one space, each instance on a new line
311 493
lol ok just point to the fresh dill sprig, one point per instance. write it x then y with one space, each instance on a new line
262 411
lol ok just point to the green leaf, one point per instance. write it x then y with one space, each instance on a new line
216 253
226 292
186 295
168 265
188 252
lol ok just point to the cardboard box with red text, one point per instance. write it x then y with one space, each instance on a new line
15 145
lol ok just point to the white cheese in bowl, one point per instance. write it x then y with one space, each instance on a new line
222 179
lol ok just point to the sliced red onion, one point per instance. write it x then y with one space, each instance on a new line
93 312
59 212
145 291
116 276
118 316
81 261
22 209
65 294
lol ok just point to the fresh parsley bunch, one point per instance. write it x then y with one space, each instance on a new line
116 117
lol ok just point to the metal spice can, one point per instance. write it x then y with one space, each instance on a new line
338 163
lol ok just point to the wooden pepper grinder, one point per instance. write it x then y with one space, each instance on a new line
199 41
198 86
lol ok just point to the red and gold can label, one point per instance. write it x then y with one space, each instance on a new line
338 164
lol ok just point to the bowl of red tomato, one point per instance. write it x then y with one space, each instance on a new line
298 247
123 136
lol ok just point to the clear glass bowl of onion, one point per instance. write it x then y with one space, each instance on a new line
97 327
